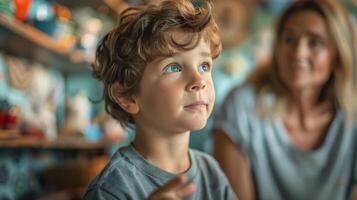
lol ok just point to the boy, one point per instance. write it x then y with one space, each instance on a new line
156 69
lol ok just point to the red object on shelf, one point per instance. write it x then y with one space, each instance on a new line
7 120
32 132
11 121
22 9
2 120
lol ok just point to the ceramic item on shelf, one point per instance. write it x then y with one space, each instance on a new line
64 32
41 10
42 114
19 74
43 16
22 8
78 115
88 32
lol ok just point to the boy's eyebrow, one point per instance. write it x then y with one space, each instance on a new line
163 57
202 53
205 54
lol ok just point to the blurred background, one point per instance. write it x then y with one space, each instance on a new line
54 137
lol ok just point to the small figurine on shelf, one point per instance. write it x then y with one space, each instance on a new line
77 115
43 17
8 120
9 115
4 107
41 114
112 130
22 8
88 32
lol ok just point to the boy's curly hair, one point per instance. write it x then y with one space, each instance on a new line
143 34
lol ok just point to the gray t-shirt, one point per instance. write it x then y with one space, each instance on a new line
281 170
129 176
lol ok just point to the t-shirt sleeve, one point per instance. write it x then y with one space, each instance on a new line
220 187
355 161
235 116
354 175
354 186
100 193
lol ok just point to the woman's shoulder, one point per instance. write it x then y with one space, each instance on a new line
245 90
242 96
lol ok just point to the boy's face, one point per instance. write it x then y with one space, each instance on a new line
176 93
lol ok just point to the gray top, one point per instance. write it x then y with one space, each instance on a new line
281 170
129 176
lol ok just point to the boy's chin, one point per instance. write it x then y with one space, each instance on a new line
197 126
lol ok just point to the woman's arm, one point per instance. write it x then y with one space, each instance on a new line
235 164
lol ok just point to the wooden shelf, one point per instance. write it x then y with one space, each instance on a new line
115 6
26 41
75 143
9 134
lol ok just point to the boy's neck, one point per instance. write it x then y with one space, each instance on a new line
168 152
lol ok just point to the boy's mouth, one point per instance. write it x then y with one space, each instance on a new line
196 106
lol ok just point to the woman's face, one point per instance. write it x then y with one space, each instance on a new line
305 52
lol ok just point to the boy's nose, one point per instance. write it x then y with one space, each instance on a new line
197 83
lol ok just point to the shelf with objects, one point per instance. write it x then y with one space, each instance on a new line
46 49
111 7
52 136
15 140
23 40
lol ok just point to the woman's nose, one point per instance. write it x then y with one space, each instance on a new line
301 50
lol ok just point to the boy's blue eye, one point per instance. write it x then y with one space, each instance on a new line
204 67
172 68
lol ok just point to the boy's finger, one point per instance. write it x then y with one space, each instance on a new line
186 190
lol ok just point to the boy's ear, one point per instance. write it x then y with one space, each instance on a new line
127 103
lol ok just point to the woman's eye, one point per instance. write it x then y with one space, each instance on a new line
204 67
172 68
288 40
316 43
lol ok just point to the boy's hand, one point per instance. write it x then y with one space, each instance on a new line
175 189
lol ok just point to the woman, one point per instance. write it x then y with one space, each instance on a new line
290 132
